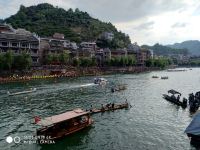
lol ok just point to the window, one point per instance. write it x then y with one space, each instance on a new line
14 44
34 59
24 45
4 43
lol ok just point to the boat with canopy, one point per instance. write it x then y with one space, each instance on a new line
175 99
63 124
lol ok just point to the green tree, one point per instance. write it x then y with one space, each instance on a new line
1 62
63 58
8 58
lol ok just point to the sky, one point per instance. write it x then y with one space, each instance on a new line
145 21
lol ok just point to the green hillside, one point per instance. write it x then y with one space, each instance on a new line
164 50
45 19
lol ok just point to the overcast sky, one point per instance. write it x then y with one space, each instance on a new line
146 21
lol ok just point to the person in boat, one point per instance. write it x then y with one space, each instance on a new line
102 108
108 105
173 96
191 99
90 108
113 105
126 103
178 98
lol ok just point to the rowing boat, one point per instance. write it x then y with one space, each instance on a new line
22 92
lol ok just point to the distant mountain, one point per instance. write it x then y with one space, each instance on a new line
193 46
159 49
45 19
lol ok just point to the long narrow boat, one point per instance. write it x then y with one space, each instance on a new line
110 107
23 92
63 124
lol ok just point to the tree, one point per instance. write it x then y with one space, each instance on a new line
8 58
76 62
63 58
1 62
22 61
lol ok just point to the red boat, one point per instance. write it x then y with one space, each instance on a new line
58 126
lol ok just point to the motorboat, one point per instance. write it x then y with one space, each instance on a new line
171 96
100 81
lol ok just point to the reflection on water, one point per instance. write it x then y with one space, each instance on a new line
152 123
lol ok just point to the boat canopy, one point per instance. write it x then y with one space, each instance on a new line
174 92
194 126
62 117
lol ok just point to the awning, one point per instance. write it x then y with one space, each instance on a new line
174 92
62 117
194 126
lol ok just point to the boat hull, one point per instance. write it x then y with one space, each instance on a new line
60 133
170 99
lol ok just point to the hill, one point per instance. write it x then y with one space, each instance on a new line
193 46
45 19
164 50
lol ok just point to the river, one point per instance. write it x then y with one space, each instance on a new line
151 124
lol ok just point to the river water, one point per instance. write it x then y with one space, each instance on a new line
151 124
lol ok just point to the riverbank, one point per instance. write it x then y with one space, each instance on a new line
58 72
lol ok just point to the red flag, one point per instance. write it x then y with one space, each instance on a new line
37 119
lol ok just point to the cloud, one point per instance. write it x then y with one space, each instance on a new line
179 25
145 26
107 10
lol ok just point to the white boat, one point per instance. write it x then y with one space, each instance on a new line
100 81
23 92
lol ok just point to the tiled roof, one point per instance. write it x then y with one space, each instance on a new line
19 37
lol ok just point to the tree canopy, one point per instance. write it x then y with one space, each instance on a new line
45 19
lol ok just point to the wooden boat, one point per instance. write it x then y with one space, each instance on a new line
164 78
118 88
110 107
176 100
63 124
193 131
155 77
23 92
176 70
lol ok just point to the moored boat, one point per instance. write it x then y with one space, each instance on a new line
23 92
176 100
63 124
193 131
155 77
176 70
165 77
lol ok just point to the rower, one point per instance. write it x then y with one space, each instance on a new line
102 108
113 105
178 97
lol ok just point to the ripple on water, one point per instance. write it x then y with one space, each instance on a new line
152 123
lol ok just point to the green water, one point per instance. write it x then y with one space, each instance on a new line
152 123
